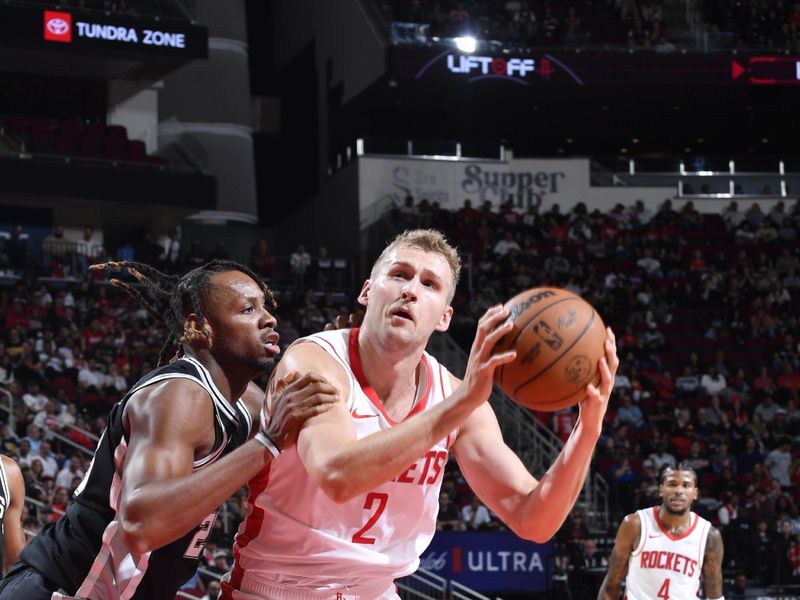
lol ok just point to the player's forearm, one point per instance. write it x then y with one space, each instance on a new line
608 592
545 508
163 511
357 467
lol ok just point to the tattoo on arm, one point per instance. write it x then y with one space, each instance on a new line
712 564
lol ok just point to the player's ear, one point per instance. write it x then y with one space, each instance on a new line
444 322
363 295
193 332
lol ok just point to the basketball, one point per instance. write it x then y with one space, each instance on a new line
559 339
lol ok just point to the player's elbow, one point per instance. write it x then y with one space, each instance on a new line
336 486
533 532
134 536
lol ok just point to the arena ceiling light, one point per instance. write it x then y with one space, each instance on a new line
466 43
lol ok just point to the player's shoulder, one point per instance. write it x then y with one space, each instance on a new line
325 353
13 473
632 520
714 535
631 525
9 464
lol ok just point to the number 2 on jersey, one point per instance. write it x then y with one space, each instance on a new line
372 498
663 593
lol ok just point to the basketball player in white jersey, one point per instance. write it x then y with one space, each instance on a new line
665 549
354 504
12 499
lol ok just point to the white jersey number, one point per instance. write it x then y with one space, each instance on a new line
200 538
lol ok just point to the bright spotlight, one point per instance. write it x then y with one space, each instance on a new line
466 44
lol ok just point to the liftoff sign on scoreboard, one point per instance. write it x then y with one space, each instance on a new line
487 65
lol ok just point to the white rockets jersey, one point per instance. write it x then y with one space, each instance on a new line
299 539
664 566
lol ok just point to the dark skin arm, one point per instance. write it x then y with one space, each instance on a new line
626 541
12 522
169 426
712 564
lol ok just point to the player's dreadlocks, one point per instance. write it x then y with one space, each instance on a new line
172 298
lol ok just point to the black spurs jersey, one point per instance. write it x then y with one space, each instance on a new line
5 501
84 553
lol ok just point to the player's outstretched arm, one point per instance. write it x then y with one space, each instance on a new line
626 541
534 510
712 565
14 539
346 467
170 425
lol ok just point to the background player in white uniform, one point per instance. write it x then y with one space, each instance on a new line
665 549
397 420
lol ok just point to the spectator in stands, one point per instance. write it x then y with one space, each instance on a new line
557 265
172 250
629 413
449 518
688 384
57 252
33 438
723 458
262 261
506 244
87 250
90 377
779 460
661 457
47 420
71 470
35 400
299 263
766 409
732 217
476 516
713 383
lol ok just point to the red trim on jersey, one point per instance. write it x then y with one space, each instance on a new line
666 532
252 526
358 371
333 348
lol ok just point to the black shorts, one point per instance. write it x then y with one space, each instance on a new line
23 581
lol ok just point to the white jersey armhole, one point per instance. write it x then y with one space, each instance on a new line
333 352
703 539
642 531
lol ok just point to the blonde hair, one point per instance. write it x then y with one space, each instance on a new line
427 240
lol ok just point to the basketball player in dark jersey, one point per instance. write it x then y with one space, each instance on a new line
175 447
12 499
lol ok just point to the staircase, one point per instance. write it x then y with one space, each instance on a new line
424 585
536 445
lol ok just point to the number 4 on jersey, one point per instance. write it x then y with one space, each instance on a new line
372 498
663 593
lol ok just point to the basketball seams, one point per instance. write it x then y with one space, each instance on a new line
523 327
558 358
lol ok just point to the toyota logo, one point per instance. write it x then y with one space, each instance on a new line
57 26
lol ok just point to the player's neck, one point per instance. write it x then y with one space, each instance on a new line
675 524
230 386
392 373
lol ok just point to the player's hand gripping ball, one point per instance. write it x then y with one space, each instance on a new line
559 339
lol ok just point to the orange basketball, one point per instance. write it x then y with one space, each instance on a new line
559 339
